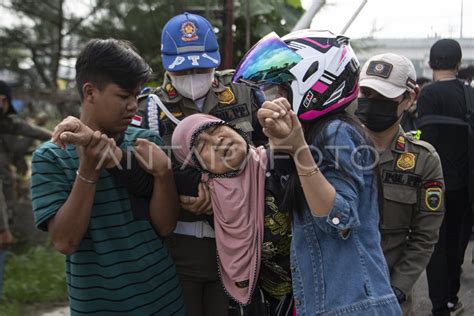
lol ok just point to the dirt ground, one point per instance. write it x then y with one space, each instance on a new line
422 305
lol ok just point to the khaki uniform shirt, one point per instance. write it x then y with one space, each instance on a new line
413 208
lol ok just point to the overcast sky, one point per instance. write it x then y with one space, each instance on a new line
397 18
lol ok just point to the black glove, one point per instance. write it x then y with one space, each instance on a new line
401 297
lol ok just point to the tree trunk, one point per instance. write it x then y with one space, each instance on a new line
228 36
56 58
247 25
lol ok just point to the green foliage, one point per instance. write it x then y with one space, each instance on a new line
142 21
47 33
10 309
266 16
39 32
36 276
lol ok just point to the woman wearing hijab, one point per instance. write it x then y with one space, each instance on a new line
252 235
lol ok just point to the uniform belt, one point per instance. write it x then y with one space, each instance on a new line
198 229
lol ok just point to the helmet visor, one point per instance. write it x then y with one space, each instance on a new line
267 62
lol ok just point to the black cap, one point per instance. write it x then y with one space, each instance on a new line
445 54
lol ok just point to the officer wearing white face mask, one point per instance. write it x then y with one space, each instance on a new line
190 55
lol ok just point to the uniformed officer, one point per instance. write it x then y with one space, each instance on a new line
10 126
410 170
190 55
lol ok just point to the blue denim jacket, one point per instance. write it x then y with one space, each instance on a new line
337 263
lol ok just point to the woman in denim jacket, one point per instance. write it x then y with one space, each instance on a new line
337 263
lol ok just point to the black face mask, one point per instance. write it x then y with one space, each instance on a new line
376 114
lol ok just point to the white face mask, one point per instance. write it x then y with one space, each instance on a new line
194 86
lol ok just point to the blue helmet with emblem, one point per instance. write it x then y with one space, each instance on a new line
188 41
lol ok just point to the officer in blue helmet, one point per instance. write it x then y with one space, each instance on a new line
190 56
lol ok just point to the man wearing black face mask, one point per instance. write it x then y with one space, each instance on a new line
411 174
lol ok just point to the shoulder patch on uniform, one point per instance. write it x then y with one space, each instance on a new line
400 144
433 184
226 96
433 198
406 161
170 91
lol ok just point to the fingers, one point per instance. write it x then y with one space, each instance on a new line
206 206
264 113
95 139
146 149
201 204
73 138
186 199
142 142
276 106
101 145
283 103
294 119
70 124
201 199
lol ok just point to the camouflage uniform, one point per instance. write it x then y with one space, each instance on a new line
10 127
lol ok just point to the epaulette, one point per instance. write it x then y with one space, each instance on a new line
414 138
147 91
144 93
225 76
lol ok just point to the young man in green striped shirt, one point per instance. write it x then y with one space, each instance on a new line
116 262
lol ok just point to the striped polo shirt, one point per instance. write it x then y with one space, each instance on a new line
121 266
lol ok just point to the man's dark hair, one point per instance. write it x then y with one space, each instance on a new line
104 61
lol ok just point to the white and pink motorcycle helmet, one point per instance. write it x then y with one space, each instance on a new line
320 69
